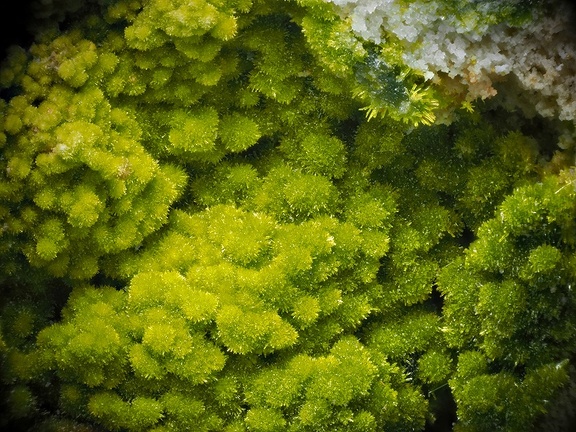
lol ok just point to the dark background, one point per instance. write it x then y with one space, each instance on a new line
14 15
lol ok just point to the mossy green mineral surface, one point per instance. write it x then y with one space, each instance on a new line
238 215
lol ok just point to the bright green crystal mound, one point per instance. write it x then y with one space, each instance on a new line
201 229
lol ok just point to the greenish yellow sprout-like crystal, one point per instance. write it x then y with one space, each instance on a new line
271 215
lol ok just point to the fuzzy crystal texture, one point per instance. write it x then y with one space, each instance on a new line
201 230
468 51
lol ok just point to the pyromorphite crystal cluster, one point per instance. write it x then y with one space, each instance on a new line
268 215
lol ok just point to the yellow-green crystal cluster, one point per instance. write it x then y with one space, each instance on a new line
201 229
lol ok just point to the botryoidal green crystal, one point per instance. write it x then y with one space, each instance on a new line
244 216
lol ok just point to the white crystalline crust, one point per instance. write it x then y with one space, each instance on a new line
470 56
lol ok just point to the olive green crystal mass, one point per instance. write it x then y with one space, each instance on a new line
240 215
